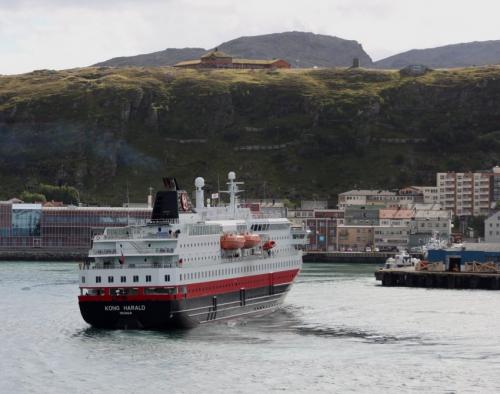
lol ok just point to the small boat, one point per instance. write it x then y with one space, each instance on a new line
269 245
402 259
251 240
232 241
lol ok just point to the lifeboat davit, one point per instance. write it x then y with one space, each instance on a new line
269 245
251 240
232 241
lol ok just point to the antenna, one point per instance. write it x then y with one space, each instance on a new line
218 190
128 205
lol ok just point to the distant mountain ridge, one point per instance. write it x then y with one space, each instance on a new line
300 49
477 53
168 57
305 50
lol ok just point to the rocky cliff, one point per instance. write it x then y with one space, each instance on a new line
288 133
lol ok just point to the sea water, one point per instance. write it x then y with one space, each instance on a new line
338 331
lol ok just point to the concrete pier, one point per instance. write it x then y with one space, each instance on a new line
43 255
349 257
441 280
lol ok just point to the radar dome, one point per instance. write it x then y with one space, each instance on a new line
199 182
231 176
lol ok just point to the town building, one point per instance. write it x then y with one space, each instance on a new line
381 198
413 193
394 229
356 238
496 184
60 228
456 257
430 223
323 227
314 204
492 228
322 224
362 215
430 194
219 59
365 197
465 193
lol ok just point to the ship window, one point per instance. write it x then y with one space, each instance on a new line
97 279
110 279
136 278
148 278
123 279
83 279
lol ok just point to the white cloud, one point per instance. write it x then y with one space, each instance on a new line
70 33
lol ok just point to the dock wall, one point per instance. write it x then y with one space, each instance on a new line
348 257
440 280
43 255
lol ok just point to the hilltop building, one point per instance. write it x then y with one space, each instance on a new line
219 59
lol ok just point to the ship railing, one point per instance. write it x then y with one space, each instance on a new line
102 251
257 256
164 221
100 266
136 250
136 235
267 215
155 250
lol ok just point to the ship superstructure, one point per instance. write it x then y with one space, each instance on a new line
189 265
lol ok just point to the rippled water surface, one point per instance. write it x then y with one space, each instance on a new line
337 332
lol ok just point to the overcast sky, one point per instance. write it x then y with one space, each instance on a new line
58 34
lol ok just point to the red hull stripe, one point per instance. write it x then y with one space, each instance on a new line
201 289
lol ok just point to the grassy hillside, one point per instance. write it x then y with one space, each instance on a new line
312 133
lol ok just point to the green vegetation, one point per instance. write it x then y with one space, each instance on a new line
32 197
43 193
288 133
66 194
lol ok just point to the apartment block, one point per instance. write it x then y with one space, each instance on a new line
465 194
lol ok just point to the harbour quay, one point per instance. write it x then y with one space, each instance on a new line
464 266
348 257
441 280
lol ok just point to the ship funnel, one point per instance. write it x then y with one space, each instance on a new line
199 183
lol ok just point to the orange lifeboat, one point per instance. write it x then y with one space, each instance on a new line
232 241
251 240
269 245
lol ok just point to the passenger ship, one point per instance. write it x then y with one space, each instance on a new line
189 265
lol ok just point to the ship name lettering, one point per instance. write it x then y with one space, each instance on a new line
134 307
111 308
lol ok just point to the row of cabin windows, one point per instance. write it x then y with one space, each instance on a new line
267 226
123 279
217 257
197 244
236 270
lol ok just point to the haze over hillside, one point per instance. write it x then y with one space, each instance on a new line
298 48
476 53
